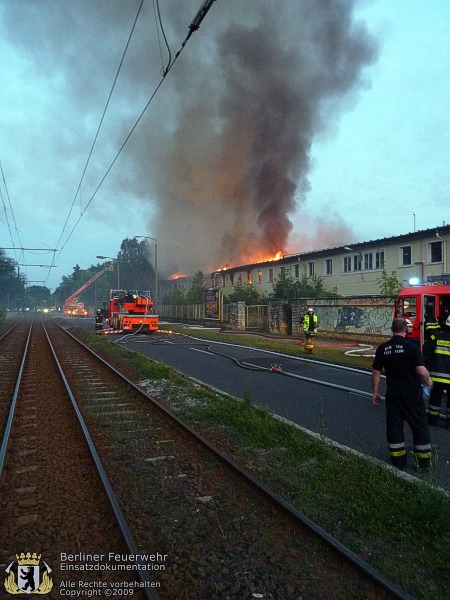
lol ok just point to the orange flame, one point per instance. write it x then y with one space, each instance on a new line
177 276
259 259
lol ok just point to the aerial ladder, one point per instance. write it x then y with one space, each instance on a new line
72 306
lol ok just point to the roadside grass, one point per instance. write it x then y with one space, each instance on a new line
401 527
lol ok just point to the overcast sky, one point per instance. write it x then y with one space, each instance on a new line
282 126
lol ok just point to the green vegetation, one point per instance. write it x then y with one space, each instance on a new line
285 287
400 527
389 283
131 269
194 295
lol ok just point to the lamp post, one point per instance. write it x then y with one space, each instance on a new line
118 270
357 252
156 263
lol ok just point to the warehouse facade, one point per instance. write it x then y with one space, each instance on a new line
422 256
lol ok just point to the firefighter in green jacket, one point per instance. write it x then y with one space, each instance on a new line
310 326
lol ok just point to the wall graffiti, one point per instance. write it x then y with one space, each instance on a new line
365 315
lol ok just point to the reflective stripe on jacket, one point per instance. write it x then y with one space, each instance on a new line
437 357
306 322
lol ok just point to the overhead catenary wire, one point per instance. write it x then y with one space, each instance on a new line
101 121
194 26
158 16
6 193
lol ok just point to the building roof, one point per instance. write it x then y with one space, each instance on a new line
356 247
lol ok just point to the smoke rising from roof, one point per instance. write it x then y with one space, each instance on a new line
222 156
235 166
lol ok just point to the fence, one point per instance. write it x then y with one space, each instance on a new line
182 312
360 316
256 317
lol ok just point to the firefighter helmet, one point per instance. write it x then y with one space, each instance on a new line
310 309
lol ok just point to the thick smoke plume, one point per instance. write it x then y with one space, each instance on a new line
235 166
221 159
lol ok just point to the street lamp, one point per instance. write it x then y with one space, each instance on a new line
118 270
357 252
156 263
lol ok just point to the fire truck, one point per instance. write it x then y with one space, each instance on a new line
422 304
131 311
72 306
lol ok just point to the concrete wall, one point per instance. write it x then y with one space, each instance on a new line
365 316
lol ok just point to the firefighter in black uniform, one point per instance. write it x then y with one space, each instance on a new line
436 352
432 327
404 366
98 321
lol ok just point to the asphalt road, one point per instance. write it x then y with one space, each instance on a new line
332 401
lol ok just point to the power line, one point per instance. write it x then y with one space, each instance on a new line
194 26
10 208
165 39
101 120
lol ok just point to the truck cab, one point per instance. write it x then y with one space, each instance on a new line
423 304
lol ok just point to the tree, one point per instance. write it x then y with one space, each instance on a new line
246 293
99 291
286 288
196 293
12 284
389 284
37 296
177 296
136 267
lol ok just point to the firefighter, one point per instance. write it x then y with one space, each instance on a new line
405 370
310 326
436 351
98 320
432 327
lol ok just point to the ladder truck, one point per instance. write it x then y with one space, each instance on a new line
131 311
72 306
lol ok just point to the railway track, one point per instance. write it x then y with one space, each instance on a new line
220 533
54 499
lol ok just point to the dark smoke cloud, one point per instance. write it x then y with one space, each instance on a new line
235 167
223 154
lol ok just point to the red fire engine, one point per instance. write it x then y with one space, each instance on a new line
422 304
131 311
72 306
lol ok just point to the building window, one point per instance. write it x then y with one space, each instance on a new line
311 269
368 261
405 256
232 278
239 279
435 252
249 277
329 266
379 259
259 276
357 262
296 271
347 264
270 271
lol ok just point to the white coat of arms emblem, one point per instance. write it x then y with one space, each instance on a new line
28 577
